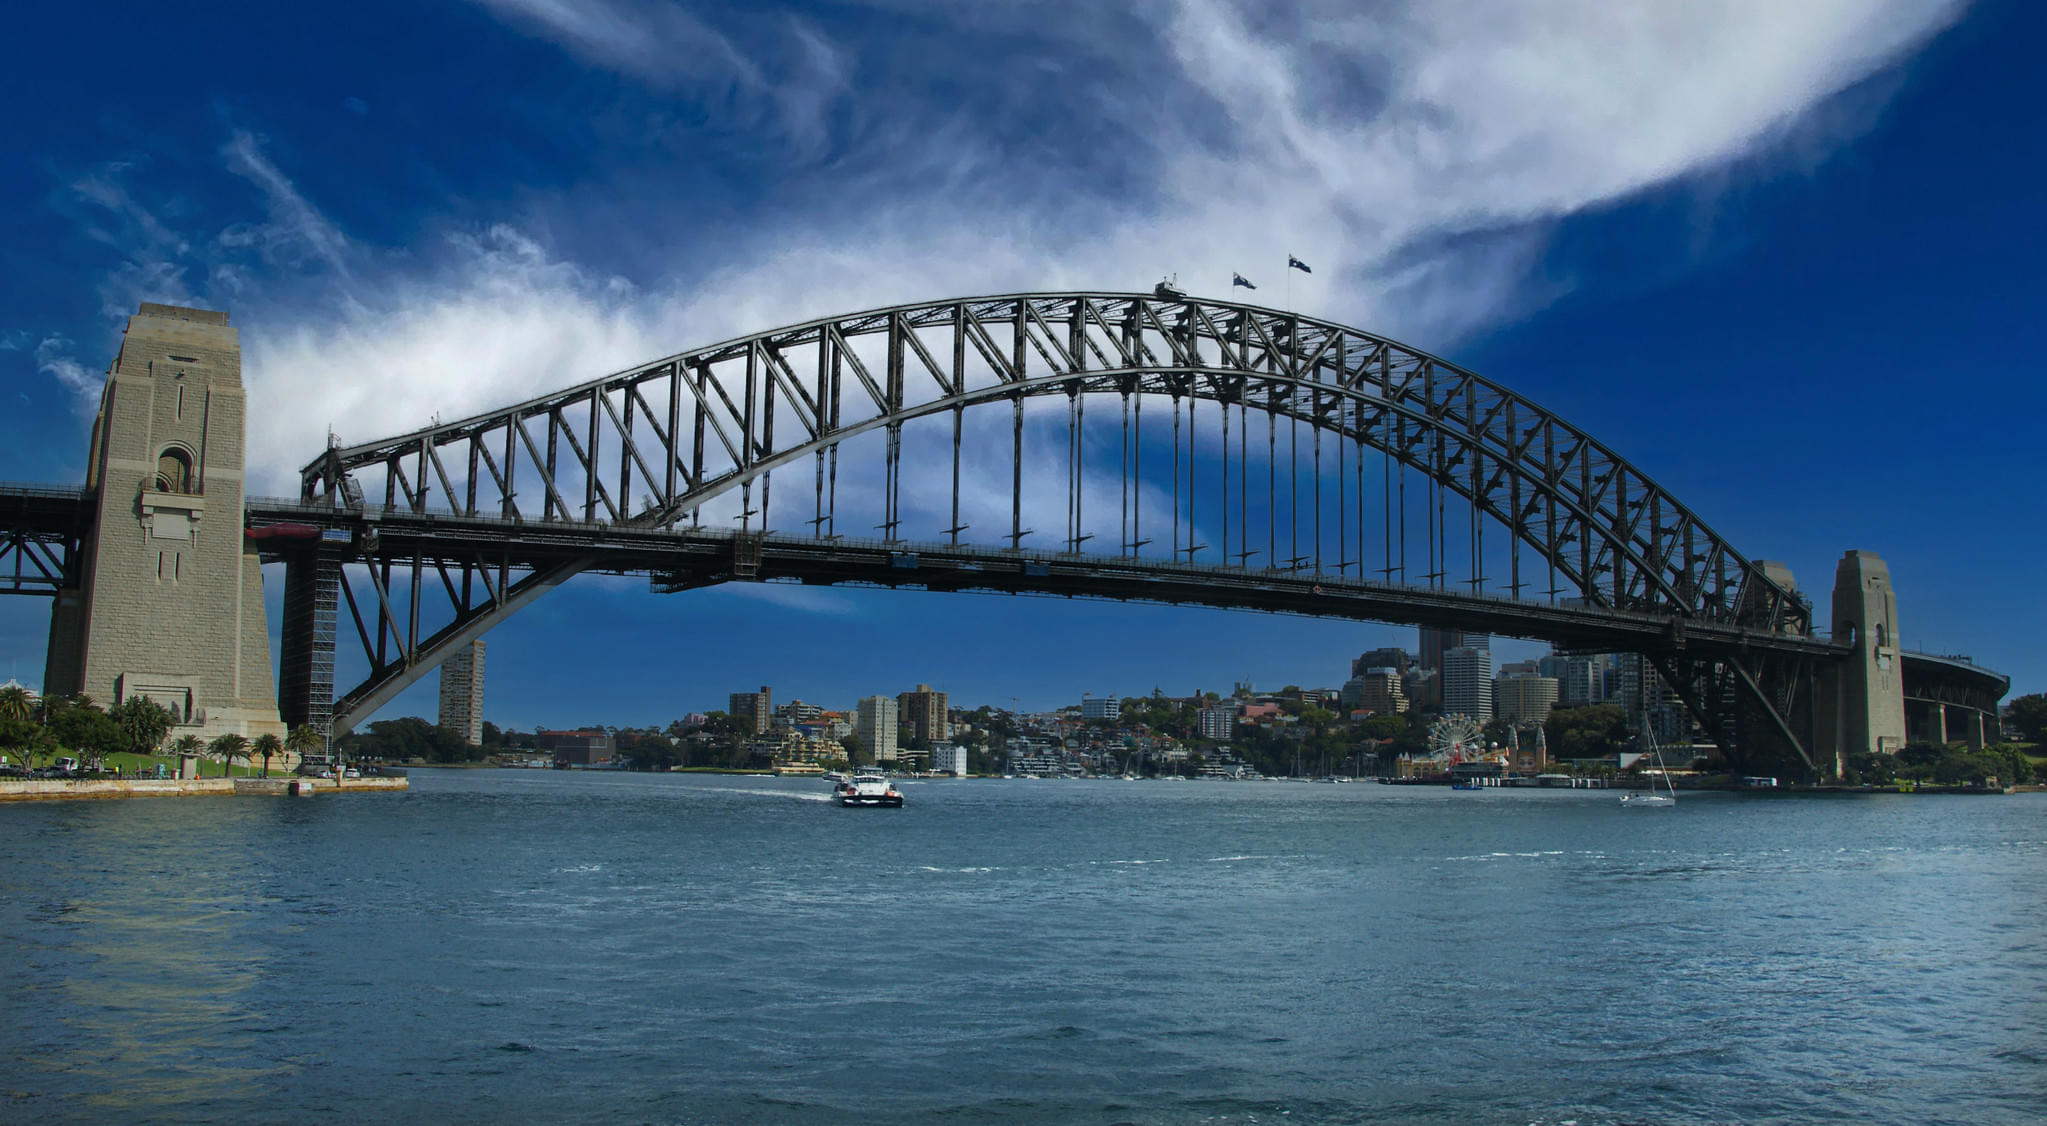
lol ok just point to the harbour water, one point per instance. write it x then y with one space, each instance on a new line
537 946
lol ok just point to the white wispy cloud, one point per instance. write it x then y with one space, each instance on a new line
787 92
794 596
1416 156
54 358
152 250
295 228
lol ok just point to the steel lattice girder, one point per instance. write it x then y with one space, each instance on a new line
690 427
41 530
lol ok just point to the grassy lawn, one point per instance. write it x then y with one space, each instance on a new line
139 765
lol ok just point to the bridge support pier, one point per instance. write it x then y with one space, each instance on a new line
169 601
1863 705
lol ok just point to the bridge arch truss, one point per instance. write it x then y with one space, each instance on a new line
1543 512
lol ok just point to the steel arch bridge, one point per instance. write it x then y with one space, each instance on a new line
1392 485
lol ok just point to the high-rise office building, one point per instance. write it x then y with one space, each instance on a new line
1218 722
1646 699
1582 678
1382 691
925 712
1467 679
1100 707
756 708
1423 689
1522 699
462 693
875 725
1392 657
1436 642
796 713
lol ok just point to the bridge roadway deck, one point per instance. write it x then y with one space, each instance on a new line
680 559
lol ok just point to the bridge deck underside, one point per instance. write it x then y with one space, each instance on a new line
408 557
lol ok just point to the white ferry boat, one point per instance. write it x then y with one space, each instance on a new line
867 789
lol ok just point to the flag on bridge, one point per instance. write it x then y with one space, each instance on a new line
1294 263
1238 279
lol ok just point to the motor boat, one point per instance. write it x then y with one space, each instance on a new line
866 790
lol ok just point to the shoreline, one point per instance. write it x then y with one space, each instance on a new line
102 789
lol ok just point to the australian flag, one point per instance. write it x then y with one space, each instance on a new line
1294 263
1238 279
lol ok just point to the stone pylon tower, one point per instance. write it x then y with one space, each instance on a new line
170 602
1863 697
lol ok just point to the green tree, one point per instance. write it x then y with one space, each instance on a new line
1961 767
2029 716
856 750
652 752
16 703
1592 731
17 736
268 746
1382 727
301 741
186 746
143 722
2013 767
1917 760
227 748
42 747
1871 768
86 731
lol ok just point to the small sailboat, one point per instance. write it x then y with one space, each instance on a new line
1652 796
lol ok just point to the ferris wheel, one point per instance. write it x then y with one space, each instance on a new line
1456 738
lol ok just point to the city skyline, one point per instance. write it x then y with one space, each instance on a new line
755 702
1712 286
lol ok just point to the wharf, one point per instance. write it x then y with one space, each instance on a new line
80 789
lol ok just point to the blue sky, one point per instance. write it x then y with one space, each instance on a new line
1783 257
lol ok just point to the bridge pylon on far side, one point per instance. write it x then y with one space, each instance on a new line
1863 694
169 599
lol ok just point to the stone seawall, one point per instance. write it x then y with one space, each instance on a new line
69 789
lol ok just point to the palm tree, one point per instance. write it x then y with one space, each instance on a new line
16 703
186 746
144 723
227 748
302 741
266 745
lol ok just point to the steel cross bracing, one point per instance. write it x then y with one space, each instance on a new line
41 530
710 431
